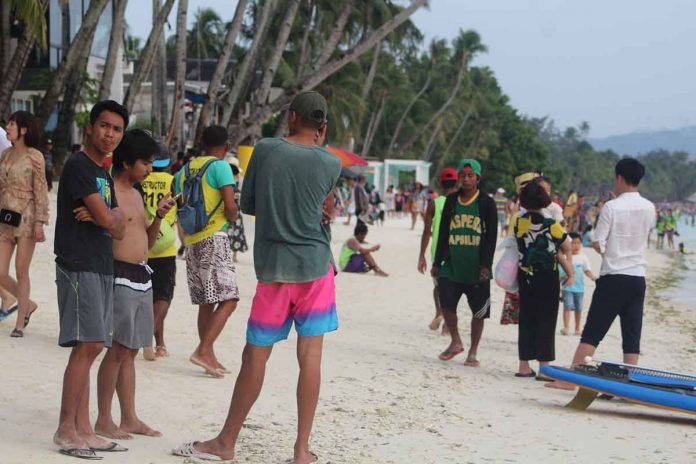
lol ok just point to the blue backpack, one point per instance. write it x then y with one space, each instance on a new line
192 215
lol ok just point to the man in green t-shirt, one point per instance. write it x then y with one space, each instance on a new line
433 216
464 257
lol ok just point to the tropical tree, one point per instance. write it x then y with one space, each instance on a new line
115 43
175 126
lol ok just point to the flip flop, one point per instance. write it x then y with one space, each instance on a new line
16 333
216 373
527 375
187 450
449 354
27 318
112 448
81 453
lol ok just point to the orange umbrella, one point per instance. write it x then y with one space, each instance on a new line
348 158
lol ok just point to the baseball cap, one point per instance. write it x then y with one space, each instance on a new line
472 163
448 174
501 190
311 106
162 159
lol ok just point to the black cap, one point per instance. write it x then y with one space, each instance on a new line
311 106
162 158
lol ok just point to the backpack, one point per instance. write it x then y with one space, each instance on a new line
192 215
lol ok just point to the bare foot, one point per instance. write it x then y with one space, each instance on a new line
149 354
161 352
305 458
212 447
67 440
380 272
111 430
221 368
140 428
558 385
435 323
471 361
210 365
93 441
451 351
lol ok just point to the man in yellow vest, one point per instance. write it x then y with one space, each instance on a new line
433 214
162 256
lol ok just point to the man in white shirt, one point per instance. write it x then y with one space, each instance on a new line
621 237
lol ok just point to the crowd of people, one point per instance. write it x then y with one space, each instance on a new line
122 203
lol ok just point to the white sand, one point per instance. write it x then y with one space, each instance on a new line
385 397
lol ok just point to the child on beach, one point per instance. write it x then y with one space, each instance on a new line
573 294
133 319
355 258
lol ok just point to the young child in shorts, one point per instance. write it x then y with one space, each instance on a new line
573 295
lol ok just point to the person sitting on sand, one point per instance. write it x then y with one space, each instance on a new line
621 238
133 317
464 258
543 245
573 294
356 258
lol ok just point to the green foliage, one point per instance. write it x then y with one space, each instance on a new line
88 97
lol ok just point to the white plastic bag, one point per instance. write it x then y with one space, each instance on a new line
506 270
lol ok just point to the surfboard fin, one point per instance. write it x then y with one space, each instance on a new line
583 399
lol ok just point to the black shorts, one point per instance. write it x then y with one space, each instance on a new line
616 295
477 295
163 278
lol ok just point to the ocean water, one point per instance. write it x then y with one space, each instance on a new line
685 293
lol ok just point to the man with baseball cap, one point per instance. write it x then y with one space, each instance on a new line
464 257
286 186
433 216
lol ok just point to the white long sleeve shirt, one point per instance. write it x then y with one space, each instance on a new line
622 234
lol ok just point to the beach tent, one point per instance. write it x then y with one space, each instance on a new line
398 172
348 158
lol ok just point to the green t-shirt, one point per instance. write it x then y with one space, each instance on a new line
346 253
464 262
285 186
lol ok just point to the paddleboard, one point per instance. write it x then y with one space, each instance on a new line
650 387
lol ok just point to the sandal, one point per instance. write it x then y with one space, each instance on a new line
449 354
81 453
529 374
27 318
17 333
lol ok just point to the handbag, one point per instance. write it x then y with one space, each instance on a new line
508 266
10 218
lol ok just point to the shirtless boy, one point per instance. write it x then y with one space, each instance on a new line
133 315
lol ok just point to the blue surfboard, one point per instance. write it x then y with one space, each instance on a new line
635 384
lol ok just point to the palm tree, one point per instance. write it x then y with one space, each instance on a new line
175 126
206 34
115 42
147 57
32 14
71 59
220 67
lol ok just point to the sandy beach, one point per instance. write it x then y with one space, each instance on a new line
385 398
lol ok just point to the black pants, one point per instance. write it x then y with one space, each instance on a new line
538 314
49 179
616 295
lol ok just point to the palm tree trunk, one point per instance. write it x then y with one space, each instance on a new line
71 96
374 124
13 71
175 126
460 75
370 79
311 81
430 147
404 115
218 74
246 69
115 43
5 39
335 36
280 46
305 48
459 131
147 57
89 24
162 87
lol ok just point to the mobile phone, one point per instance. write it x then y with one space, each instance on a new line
177 196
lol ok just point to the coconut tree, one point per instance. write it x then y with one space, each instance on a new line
115 43
32 14
175 126
147 57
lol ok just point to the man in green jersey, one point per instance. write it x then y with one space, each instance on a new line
433 215
464 257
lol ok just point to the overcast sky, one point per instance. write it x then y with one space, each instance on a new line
621 65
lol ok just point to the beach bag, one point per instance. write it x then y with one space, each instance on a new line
192 215
506 270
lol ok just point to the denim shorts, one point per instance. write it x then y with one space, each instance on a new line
572 301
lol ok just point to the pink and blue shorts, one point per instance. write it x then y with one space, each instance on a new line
310 305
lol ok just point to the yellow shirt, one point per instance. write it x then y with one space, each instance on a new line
218 174
155 187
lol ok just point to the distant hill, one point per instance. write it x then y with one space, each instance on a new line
636 143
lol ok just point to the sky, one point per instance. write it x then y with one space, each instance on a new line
620 65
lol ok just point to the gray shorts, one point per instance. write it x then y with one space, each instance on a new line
85 307
134 321
210 271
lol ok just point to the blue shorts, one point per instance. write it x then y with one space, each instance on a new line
572 301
